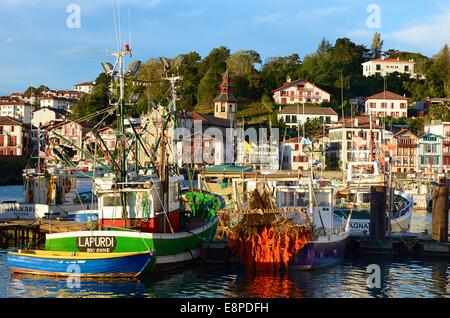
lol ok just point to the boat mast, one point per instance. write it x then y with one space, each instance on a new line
165 176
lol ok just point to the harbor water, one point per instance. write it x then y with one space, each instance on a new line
399 277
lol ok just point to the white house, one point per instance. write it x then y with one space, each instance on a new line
16 109
300 91
292 115
384 66
430 162
57 102
356 140
85 87
47 115
440 128
15 138
292 155
387 104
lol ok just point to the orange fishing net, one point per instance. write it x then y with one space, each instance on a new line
268 246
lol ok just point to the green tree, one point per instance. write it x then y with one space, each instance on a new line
440 112
211 70
97 100
245 77
314 127
438 76
324 46
276 70
377 45
188 87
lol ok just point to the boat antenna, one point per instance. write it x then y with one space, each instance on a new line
129 31
116 31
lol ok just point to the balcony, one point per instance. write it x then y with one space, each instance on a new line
406 145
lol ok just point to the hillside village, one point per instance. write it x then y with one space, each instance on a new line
345 116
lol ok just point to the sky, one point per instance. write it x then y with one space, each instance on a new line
61 42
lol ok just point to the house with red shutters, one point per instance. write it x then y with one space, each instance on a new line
15 137
298 92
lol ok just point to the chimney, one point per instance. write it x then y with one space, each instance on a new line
383 57
398 59
288 79
356 122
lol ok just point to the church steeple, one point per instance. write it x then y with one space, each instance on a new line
225 104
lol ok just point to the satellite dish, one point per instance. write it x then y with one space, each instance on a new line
165 64
178 61
133 68
109 69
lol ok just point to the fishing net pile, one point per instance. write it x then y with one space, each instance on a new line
265 239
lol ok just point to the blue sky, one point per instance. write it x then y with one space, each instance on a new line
37 47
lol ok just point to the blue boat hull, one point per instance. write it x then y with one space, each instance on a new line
125 266
319 254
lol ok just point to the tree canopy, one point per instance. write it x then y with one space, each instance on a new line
253 80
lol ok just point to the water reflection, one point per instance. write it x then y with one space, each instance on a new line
39 286
399 278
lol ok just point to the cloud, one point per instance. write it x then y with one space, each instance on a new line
361 34
190 14
80 52
431 34
268 19
8 40
320 12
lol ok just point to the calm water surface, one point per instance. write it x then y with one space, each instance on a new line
399 278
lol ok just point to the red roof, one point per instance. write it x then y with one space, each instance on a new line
387 95
15 102
288 84
292 110
404 131
85 84
390 60
363 122
10 121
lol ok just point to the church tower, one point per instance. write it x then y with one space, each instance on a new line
225 104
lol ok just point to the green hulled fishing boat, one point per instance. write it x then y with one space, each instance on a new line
143 208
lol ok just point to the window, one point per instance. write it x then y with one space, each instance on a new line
222 108
406 68
378 68
383 105
111 200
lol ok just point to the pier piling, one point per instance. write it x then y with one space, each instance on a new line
440 214
377 225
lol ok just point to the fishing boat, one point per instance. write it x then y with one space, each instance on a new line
292 219
142 206
355 197
47 263
45 192
331 231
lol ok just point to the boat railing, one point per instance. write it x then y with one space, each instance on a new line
330 231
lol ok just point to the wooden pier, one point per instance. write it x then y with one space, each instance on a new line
31 234
401 244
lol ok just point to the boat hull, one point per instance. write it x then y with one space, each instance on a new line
170 250
124 265
321 253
